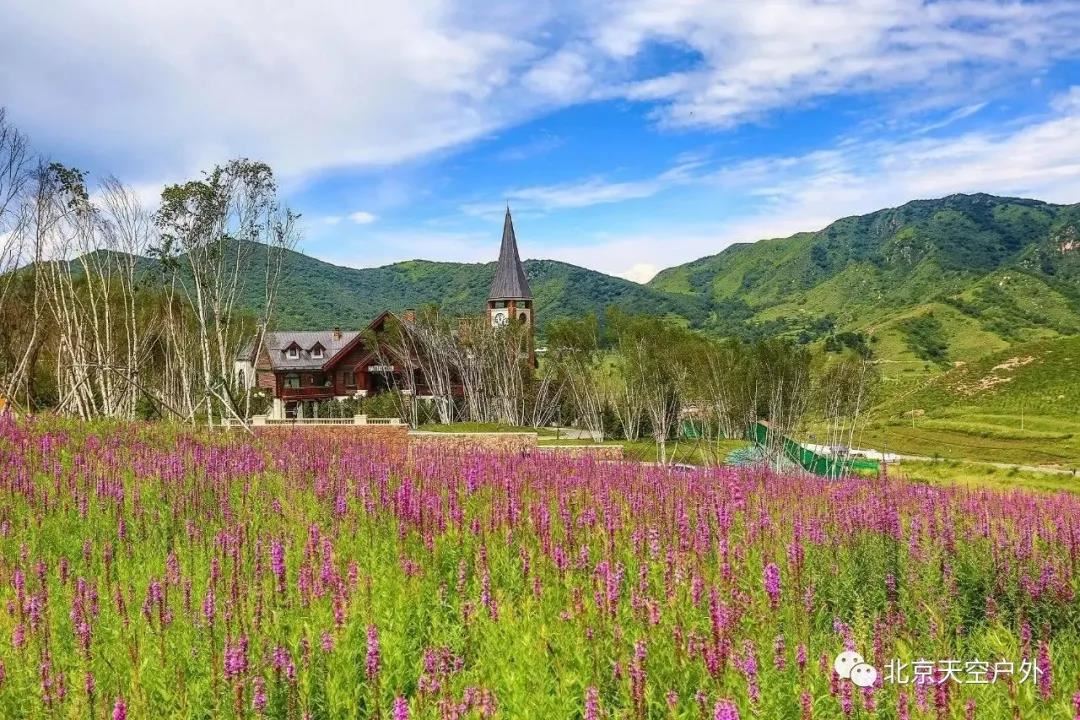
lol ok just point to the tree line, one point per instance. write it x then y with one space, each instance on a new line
622 376
642 376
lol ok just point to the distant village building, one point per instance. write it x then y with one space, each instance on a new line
300 368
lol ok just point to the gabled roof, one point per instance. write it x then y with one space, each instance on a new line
510 282
277 342
247 352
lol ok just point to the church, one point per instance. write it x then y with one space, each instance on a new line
301 368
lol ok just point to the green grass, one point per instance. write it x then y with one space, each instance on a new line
952 472
1003 428
1020 405
959 445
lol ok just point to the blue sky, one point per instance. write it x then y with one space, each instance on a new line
627 135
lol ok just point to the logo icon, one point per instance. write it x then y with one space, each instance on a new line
850 665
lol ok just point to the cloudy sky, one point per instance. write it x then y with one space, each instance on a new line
626 135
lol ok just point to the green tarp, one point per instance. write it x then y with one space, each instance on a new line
809 460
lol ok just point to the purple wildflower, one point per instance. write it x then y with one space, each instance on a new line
258 694
1045 671
592 703
772 584
779 653
725 710
373 658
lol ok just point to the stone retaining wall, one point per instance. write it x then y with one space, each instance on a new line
389 434
599 452
518 443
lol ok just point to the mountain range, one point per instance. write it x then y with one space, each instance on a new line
978 271
933 281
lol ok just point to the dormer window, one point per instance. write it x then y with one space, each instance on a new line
317 352
292 353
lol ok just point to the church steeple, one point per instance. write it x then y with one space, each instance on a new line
510 298
510 282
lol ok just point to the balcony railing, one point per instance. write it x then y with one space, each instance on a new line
310 421
308 393
264 421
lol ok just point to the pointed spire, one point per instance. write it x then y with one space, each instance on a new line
510 282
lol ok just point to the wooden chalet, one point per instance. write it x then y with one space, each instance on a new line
304 367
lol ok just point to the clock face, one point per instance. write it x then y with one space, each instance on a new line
498 317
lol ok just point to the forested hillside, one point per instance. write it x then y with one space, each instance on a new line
985 271
314 293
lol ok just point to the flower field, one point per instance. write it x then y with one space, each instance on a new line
155 572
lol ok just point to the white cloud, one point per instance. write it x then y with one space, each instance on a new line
955 116
362 217
539 145
173 88
760 56
150 90
641 272
1068 101
594 190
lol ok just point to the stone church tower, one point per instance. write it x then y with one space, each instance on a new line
510 298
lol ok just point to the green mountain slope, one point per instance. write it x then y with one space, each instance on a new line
996 270
1019 404
314 293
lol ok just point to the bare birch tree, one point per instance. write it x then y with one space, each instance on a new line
653 354
782 389
575 351
212 231
844 392
19 297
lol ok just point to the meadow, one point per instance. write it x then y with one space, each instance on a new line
1019 405
150 571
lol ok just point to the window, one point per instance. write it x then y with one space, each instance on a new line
292 353
317 352
292 381
350 378
240 379
523 318
500 304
